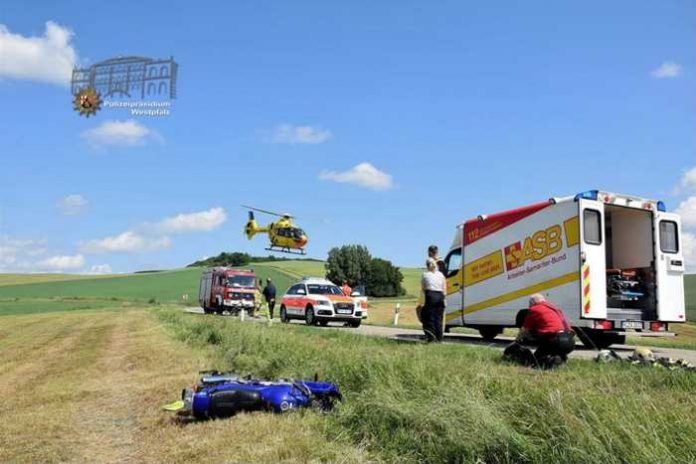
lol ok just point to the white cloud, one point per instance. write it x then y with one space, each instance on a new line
100 269
72 205
17 254
193 222
48 58
62 263
152 236
127 242
667 69
687 211
290 134
363 174
687 183
119 133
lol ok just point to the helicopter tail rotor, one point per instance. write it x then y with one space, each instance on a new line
251 228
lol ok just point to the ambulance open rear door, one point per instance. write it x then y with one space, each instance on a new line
669 268
593 285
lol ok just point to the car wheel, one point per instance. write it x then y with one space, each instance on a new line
355 324
284 315
323 323
309 316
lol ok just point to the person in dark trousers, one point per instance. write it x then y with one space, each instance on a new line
434 287
546 325
433 254
269 293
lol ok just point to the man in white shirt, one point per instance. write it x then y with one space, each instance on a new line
434 287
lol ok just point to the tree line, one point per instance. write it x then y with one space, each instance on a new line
355 265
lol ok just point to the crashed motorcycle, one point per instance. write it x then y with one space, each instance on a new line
220 394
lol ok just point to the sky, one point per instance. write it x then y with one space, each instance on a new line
380 123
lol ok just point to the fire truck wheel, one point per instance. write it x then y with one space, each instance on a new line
284 315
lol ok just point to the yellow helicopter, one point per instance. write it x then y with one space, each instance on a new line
285 237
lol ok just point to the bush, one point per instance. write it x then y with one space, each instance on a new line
384 279
349 263
224 259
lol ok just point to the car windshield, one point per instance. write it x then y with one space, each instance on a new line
241 281
318 289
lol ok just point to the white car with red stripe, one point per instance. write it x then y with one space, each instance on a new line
319 301
612 262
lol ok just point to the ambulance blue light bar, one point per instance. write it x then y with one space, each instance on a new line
587 195
661 206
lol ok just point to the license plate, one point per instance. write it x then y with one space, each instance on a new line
632 325
344 311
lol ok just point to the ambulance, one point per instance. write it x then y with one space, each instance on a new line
612 262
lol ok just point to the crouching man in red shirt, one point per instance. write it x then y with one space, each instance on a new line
546 326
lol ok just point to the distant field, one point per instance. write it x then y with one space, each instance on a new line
15 279
296 268
300 269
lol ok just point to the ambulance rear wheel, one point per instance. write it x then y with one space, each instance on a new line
489 333
283 315
596 339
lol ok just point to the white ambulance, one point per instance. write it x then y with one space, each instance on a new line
612 262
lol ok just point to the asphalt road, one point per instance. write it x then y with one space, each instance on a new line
414 336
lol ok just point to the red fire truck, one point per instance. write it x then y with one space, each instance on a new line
226 289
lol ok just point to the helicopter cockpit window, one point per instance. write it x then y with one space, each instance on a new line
297 233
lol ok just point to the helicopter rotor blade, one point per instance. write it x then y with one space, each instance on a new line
272 213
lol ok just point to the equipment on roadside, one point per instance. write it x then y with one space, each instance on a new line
284 236
223 394
643 356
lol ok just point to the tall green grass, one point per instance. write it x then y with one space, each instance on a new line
417 403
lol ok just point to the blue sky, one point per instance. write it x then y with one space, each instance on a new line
458 108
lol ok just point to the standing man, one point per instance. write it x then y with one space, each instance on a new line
546 325
433 254
269 293
346 289
434 287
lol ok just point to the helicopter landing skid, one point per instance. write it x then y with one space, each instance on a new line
287 250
